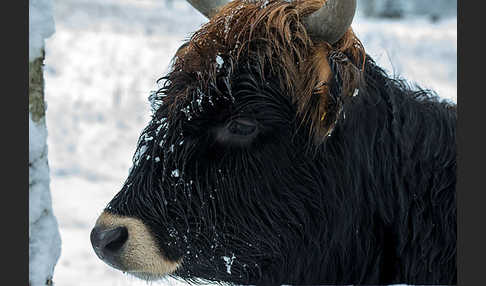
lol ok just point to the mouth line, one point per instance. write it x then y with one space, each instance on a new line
147 276
151 276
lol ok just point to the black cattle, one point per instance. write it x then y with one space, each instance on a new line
276 157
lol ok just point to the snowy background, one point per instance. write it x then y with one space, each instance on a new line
100 66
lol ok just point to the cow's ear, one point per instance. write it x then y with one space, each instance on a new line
330 79
343 84
311 97
316 106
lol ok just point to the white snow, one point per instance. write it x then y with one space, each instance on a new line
101 65
44 239
175 173
414 49
41 25
38 171
229 262
44 246
219 61
140 152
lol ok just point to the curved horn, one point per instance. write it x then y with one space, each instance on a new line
331 21
207 7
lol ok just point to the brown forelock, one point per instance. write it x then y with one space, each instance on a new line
283 43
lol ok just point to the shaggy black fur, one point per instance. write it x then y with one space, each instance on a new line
374 204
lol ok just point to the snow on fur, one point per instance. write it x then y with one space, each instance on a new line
99 73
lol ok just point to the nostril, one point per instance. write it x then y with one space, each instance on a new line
117 239
107 242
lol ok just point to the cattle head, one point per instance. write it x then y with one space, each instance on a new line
226 183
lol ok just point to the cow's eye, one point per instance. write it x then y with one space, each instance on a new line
242 127
237 131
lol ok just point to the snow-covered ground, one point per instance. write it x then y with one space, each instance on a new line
101 64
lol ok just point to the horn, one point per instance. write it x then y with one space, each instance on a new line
208 7
331 21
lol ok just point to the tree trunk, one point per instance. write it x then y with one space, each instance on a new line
44 238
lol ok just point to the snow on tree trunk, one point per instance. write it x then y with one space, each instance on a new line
44 238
